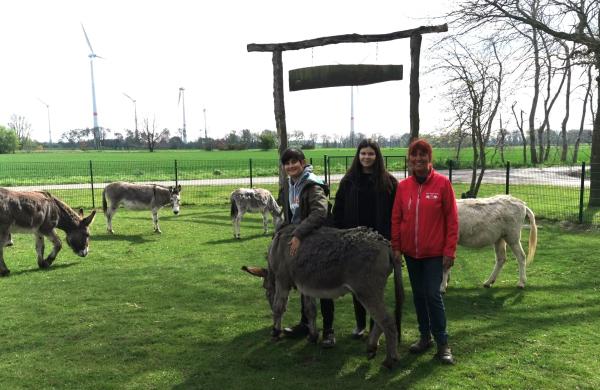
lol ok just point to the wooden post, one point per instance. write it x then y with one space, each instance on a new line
415 54
279 108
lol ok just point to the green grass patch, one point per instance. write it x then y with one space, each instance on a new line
148 311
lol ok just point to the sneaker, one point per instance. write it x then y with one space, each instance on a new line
421 345
296 331
358 333
328 339
445 354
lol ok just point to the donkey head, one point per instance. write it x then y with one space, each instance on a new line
268 281
175 198
79 237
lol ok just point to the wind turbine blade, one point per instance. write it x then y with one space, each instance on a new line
43 102
87 39
129 97
179 98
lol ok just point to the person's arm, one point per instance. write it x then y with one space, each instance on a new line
451 217
317 202
396 221
339 205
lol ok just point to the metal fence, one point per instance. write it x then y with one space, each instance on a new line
559 193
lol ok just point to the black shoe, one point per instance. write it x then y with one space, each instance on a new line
296 331
328 339
358 333
445 354
421 345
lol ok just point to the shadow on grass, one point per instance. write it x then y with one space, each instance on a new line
37 269
132 238
234 240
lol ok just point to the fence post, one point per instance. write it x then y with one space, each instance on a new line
346 158
507 185
581 191
325 168
450 163
250 161
405 168
176 174
386 162
92 182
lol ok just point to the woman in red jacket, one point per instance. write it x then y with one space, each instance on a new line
425 230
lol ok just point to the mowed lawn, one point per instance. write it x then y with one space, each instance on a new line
174 311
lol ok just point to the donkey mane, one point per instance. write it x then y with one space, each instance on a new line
68 218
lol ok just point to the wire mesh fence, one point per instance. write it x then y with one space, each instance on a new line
560 192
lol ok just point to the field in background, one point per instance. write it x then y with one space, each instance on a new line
512 154
148 311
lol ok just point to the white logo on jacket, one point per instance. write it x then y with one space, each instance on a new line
432 195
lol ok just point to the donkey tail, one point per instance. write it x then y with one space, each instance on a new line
532 235
398 292
234 209
104 205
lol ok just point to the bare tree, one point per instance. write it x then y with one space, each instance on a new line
150 135
22 129
579 22
519 122
563 125
475 80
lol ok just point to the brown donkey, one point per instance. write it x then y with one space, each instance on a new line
40 213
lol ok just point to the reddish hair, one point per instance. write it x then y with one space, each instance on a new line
422 145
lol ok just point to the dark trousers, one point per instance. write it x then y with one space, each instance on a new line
360 314
327 311
425 278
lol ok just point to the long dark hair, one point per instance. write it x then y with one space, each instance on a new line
380 174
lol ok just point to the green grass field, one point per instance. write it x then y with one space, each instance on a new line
513 154
147 311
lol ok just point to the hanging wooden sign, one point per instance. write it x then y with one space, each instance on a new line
342 75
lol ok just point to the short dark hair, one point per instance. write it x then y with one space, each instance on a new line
292 153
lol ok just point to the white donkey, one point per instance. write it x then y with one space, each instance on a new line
496 221
254 199
139 197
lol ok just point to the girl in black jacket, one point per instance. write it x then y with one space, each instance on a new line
365 197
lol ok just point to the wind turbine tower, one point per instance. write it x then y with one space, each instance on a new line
182 101
134 114
352 115
93 55
205 133
49 129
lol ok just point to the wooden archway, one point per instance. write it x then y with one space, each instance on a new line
415 36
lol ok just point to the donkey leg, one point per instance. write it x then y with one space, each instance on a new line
375 305
310 311
265 214
517 249
155 220
56 247
238 221
279 307
4 237
110 212
500 249
39 250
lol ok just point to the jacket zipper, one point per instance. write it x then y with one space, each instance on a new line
417 222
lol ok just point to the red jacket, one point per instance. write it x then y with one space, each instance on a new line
424 217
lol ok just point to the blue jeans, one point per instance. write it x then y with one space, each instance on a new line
425 279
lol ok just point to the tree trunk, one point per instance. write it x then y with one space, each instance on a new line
415 54
279 109
583 114
536 94
595 158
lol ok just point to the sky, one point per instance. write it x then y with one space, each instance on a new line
152 48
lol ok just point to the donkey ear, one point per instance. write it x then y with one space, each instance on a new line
87 221
81 212
256 271
178 188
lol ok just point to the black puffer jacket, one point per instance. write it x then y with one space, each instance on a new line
347 208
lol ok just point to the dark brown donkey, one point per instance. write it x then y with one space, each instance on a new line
40 213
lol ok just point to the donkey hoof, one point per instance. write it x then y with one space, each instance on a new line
389 363
487 285
521 286
44 264
371 353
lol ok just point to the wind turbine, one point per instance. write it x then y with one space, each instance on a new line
352 115
92 55
205 133
182 101
134 113
49 131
